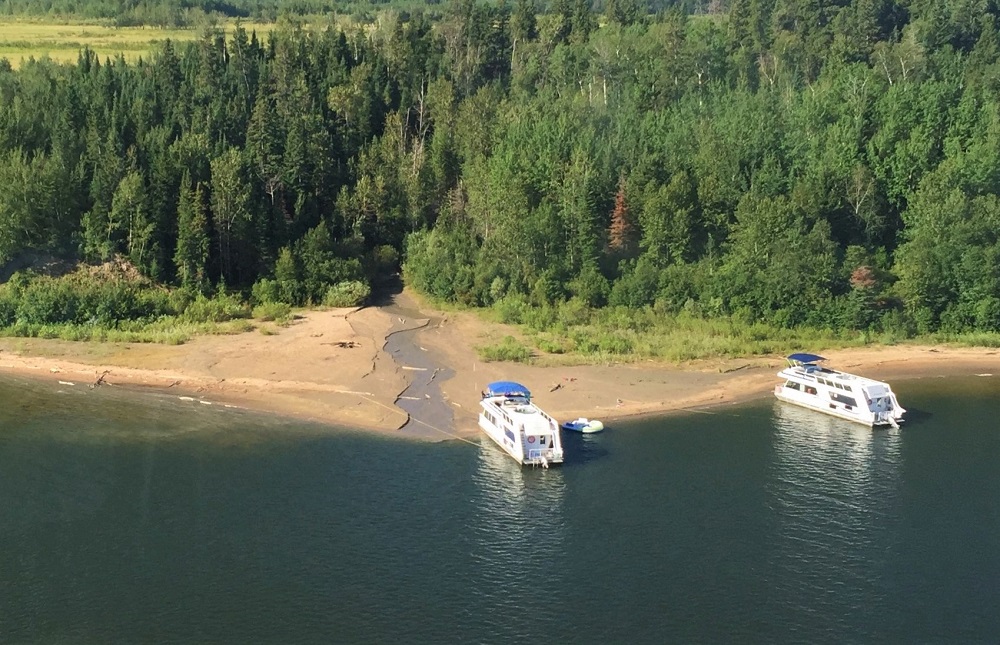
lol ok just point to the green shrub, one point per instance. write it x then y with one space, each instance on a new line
506 350
574 312
286 275
497 290
221 308
272 311
547 290
552 346
346 294
584 342
512 309
266 291
637 285
153 303
237 326
540 318
384 259
590 287
179 299
48 331
614 344
8 308
897 325
48 300
75 332
987 314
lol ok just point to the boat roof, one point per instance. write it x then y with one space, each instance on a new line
507 388
811 371
805 358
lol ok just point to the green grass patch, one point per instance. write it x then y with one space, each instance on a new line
62 40
578 334
509 349
972 339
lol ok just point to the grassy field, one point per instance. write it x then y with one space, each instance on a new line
62 41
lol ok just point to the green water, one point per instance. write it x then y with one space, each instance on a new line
132 518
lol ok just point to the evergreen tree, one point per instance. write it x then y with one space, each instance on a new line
191 256
523 24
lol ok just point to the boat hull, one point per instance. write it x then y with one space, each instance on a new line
831 409
498 440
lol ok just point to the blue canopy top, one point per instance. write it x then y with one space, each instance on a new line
507 388
805 358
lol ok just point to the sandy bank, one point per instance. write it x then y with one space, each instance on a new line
332 367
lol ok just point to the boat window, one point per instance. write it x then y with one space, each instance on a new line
810 390
843 398
791 385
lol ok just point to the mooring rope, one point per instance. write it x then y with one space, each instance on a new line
450 434
410 418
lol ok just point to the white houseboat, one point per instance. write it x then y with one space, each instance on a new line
510 418
837 393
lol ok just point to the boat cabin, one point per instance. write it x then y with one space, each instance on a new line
838 393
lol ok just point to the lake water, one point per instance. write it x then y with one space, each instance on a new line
133 518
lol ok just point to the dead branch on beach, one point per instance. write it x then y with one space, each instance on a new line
346 344
100 380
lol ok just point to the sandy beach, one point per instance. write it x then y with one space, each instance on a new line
332 367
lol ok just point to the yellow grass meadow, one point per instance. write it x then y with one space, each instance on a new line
62 42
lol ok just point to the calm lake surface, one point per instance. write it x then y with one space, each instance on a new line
133 518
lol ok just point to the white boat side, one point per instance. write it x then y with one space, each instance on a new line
839 394
520 427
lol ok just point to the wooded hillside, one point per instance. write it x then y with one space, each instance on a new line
830 164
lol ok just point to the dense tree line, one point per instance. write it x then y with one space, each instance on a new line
797 162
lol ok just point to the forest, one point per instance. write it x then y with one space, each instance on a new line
821 164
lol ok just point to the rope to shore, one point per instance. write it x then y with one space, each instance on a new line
450 434
411 419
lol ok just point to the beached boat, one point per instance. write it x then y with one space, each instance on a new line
584 425
843 395
511 419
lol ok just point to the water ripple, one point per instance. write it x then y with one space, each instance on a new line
122 522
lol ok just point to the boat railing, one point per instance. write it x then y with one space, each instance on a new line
553 424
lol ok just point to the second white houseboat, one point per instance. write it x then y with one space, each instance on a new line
511 419
843 395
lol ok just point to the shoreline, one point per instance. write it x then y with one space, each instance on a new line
332 367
